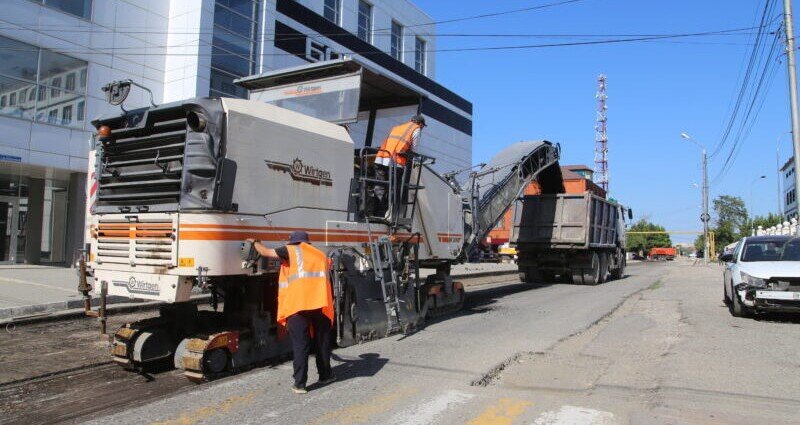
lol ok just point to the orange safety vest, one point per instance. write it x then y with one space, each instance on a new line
398 142
303 283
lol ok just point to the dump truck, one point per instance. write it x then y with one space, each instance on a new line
571 237
662 253
179 187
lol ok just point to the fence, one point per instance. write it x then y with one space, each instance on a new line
785 228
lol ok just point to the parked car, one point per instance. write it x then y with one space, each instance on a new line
763 274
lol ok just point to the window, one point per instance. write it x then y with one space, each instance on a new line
365 21
245 7
79 8
397 41
26 69
66 115
81 112
232 46
54 91
419 55
332 10
2 102
69 82
222 85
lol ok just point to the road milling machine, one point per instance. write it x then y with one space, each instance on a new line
175 189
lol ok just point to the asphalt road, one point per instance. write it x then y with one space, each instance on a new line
656 347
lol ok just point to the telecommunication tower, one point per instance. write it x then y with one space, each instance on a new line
601 136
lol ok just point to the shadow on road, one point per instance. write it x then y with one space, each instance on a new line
367 364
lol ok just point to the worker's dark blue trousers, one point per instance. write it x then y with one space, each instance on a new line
298 325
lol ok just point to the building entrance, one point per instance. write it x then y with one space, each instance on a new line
9 229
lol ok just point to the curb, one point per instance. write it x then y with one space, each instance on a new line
74 309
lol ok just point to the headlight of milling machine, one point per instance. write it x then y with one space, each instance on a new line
753 281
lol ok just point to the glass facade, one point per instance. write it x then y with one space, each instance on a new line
233 46
397 41
365 21
79 8
40 84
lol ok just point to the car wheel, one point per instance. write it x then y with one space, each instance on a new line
738 309
725 298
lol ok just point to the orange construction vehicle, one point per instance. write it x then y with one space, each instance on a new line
577 179
662 254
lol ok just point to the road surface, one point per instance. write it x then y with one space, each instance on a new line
656 347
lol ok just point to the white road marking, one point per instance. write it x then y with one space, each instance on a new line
573 415
42 285
427 412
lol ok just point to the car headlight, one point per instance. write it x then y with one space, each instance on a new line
753 281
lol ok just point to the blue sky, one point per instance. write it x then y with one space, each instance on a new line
656 90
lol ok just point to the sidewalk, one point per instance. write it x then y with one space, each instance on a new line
30 289
27 290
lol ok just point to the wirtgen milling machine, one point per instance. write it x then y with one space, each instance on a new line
179 187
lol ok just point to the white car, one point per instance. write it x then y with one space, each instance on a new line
763 274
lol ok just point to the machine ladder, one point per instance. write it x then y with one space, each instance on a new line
382 255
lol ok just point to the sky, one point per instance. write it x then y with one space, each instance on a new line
656 90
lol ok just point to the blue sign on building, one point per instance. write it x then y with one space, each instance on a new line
10 158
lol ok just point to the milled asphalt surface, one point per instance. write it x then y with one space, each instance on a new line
657 347
421 378
35 290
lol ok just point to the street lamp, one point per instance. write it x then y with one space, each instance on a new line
752 183
704 217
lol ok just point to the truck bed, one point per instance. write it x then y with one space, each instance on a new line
569 221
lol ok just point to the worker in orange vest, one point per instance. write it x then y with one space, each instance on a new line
305 304
402 139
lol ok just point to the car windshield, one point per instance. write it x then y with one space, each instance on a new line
763 250
791 251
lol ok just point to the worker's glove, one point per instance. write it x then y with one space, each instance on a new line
249 254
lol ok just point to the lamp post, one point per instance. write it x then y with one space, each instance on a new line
750 201
704 217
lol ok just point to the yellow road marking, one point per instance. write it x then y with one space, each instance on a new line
501 413
203 413
362 412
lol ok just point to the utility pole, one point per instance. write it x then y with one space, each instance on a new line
792 68
779 174
705 217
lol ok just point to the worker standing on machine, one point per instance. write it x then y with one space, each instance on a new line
402 139
305 304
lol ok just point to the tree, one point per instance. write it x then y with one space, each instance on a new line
643 242
731 220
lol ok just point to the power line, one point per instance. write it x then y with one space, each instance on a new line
745 85
378 31
756 103
459 49
72 29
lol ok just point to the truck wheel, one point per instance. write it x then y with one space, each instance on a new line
605 261
590 276
619 273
